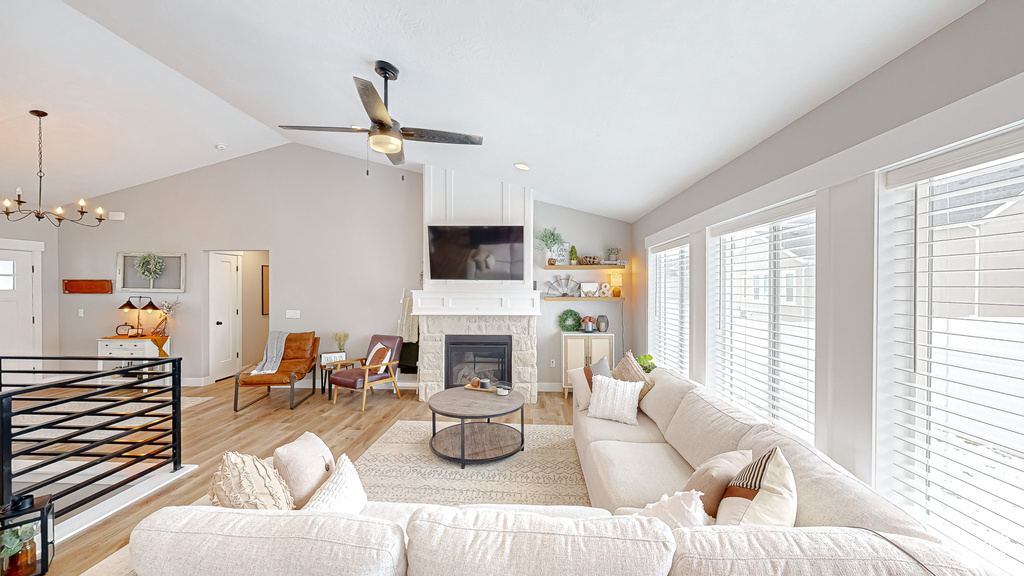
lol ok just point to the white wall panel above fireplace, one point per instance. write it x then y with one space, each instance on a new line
464 302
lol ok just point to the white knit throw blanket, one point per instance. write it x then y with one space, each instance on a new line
272 353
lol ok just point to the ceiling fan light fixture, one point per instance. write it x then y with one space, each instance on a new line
385 140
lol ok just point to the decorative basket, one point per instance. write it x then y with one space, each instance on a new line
590 260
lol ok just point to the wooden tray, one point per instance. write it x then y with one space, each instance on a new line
478 389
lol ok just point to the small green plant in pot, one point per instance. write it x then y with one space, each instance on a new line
547 240
18 549
573 255
646 363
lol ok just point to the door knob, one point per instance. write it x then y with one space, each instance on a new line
219 323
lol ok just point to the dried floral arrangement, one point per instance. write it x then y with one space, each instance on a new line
340 338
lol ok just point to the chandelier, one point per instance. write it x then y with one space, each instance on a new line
57 216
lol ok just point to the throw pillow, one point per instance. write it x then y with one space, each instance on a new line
601 367
713 477
580 387
379 355
764 493
342 492
681 510
245 481
629 369
304 465
615 400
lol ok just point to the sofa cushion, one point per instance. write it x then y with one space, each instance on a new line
571 512
298 346
206 541
304 463
247 482
629 370
456 542
633 474
615 400
580 388
587 430
828 494
705 426
680 510
664 398
774 551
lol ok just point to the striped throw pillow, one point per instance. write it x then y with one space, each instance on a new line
763 493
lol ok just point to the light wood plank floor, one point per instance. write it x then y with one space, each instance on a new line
212 428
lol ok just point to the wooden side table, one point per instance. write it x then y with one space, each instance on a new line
476 442
327 366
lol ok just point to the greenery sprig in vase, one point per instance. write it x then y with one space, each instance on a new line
19 550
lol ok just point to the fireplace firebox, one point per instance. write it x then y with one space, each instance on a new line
480 356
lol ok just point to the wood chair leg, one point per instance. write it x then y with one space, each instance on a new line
364 398
395 382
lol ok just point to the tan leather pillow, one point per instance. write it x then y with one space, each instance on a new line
298 345
713 477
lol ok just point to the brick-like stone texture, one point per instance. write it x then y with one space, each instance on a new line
523 330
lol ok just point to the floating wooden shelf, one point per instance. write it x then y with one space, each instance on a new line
585 299
586 267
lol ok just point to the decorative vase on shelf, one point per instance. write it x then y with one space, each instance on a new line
23 562
602 323
572 262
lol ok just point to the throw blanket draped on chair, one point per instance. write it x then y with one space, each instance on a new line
272 353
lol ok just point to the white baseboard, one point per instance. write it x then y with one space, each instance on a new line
549 386
202 381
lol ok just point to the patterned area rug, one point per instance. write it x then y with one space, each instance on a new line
399 467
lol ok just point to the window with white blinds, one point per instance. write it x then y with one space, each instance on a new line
670 326
763 280
951 355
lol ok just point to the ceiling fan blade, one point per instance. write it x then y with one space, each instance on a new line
326 128
440 136
374 106
397 158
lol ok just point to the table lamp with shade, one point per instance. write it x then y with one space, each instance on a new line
128 306
615 281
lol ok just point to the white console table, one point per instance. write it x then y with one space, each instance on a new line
137 347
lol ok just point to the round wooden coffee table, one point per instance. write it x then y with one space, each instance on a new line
476 442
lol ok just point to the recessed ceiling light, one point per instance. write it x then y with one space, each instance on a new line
221 146
522 166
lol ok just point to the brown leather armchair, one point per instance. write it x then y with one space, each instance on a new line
300 355
368 375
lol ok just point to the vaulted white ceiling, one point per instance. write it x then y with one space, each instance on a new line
616 106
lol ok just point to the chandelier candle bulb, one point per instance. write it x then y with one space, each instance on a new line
18 191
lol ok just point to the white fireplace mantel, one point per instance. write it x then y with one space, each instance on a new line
477 302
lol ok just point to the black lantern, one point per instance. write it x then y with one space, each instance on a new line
26 536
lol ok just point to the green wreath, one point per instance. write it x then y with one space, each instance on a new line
569 321
149 266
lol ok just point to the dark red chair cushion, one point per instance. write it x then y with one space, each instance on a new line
353 378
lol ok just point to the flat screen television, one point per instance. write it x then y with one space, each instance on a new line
475 252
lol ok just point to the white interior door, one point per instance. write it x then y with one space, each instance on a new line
225 319
17 333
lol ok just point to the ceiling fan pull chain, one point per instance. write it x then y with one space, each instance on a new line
367 155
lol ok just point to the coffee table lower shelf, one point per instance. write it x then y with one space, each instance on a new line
476 442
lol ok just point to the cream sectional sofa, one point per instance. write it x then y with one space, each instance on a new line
843 527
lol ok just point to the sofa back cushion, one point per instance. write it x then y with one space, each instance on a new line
206 541
827 494
663 399
705 426
456 542
825 551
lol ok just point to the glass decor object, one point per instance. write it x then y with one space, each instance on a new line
26 534
602 323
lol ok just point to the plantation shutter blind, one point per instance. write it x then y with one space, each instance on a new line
952 399
670 333
764 282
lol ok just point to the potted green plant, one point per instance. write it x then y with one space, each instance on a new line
18 550
646 362
573 256
548 239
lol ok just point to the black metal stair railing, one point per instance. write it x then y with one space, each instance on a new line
66 437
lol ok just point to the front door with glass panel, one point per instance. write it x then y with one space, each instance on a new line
16 292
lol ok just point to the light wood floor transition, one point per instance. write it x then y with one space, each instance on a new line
212 428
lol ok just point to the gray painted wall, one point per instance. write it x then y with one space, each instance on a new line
256 326
592 235
342 245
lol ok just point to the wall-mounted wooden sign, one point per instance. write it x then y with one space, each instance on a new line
88 286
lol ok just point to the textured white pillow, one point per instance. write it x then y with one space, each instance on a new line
681 510
247 482
304 464
763 493
580 388
614 399
342 492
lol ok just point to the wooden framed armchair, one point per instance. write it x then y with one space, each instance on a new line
299 358
376 369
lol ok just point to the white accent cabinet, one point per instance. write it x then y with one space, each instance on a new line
580 349
141 347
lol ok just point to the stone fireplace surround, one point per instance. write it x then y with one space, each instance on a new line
523 330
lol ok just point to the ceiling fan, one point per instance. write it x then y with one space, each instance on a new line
386 134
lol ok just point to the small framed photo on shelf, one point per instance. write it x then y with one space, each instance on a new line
589 289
